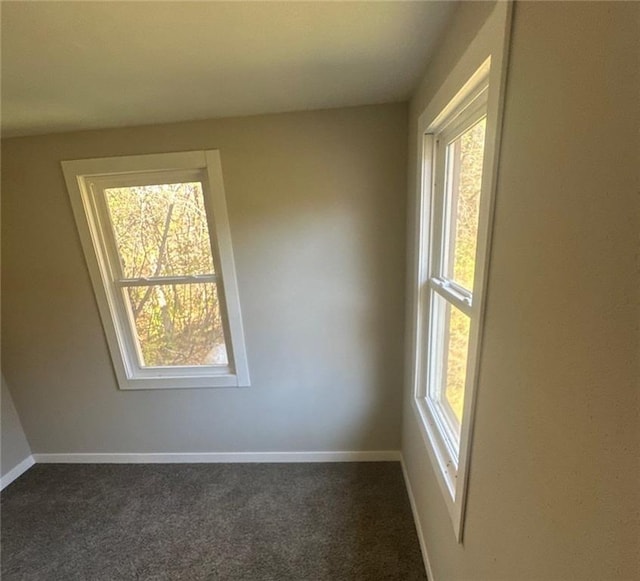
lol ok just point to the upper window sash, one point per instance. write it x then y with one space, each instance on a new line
468 115
98 185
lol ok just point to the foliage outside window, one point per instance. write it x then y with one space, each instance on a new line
160 233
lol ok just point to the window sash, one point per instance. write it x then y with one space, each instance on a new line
433 405
119 283
100 184
435 384
440 227
127 309
434 393
438 255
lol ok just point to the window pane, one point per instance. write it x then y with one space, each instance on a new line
450 340
178 324
464 177
160 230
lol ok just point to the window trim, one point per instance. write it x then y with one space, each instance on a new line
91 221
486 56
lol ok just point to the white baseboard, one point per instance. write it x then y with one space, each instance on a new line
416 518
220 457
16 472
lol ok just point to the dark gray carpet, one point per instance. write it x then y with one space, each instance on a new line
229 522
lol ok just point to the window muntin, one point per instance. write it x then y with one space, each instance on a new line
156 237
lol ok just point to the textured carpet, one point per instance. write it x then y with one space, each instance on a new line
229 522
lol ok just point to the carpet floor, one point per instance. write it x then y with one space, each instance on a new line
227 522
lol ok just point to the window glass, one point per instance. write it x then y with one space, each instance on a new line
463 183
160 230
178 324
450 349
456 351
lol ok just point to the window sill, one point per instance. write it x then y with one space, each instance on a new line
443 464
207 382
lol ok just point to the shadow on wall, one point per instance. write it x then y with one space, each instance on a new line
15 447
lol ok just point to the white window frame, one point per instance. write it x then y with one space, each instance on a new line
434 238
475 86
86 179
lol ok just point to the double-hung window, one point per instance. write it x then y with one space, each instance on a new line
157 242
450 255
457 151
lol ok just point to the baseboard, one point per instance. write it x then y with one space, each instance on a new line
220 457
16 472
416 519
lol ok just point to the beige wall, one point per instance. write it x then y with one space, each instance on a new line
14 447
554 480
318 224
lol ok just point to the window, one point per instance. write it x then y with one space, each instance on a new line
457 151
450 252
156 238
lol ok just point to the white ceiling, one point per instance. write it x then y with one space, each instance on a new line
82 65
